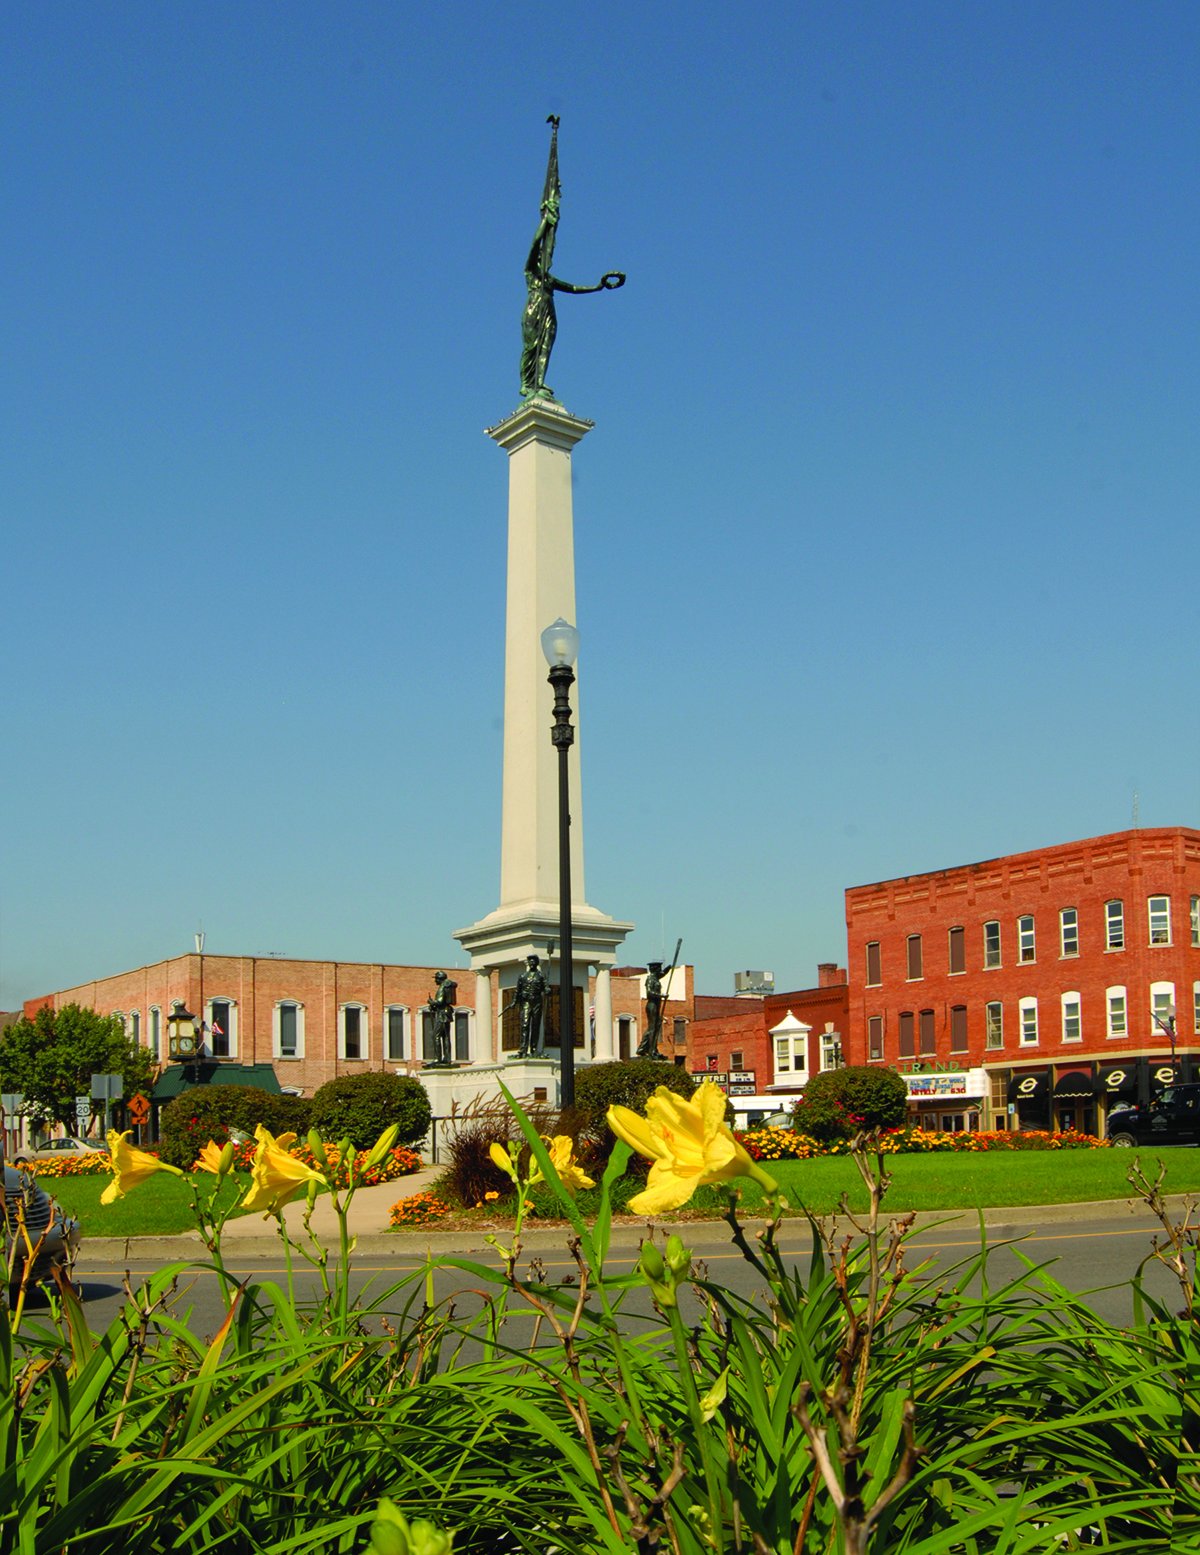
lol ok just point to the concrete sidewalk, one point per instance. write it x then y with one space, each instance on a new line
259 1240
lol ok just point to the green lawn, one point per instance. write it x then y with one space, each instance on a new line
956 1182
161 1206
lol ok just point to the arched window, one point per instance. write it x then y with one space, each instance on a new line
287 1029
221 1021
396 1022
354 1038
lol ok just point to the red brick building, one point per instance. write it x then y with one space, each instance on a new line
315 1020
774 1041
1023 991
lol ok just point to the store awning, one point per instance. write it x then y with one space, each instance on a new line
1033 1086
177 1078
1117 1080
1076 1086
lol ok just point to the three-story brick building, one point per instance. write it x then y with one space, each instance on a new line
1038 990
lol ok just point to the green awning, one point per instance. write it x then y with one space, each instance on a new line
177 1078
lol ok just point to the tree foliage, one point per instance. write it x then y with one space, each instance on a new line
839 1102
51 1059
363 1105
205 1112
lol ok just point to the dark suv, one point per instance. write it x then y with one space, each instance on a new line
1172 1118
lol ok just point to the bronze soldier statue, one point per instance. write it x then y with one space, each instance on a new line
539 323
529 996
648 1047
441 1005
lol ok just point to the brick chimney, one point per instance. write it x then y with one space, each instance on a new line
829 974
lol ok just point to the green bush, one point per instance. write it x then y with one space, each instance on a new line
601 1086
839 1102
363 1105
209 1111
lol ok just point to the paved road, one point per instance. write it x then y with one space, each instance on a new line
1086 1256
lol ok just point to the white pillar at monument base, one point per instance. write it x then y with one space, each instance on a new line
538 439
604 1016
485 1025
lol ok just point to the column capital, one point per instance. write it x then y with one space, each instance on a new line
542 421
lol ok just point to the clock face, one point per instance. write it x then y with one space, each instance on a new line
186 1044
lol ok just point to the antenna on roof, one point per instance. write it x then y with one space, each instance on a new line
1135 809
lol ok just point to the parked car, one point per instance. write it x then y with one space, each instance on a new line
55 1149
54 1235
1171 1118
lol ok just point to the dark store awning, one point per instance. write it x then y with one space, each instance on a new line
1074 1087
1029 1086
1118 1080
177 1078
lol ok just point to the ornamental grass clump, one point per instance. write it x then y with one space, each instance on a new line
852 1399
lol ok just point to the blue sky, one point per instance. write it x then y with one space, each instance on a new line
886 535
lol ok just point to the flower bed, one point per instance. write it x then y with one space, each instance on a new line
95 1164
399 1162
781 1144
422 1209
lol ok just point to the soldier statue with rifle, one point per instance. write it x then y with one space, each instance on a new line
655 1000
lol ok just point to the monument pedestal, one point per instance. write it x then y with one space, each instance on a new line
538 439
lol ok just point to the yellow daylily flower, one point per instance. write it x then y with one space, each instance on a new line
130 1166
689 1144
562 1153
502 1160
209 1159
275 1176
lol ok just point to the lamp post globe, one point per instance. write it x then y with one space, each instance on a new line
560 644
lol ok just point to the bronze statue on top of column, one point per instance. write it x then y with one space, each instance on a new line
539 323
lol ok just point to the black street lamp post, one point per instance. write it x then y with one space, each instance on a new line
560 644
1167 1022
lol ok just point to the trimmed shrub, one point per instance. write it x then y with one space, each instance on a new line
839 1102
630 1084
210 1111
363 1105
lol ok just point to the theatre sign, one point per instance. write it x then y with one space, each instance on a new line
962 1085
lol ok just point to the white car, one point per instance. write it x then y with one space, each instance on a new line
55 1149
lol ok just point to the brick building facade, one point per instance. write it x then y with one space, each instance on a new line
779 1038
315 1020
1023 991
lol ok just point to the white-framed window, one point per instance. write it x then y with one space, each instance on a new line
396 1026
154 1034
1072 1022
875 1037
831 1050
1117 1003
1114 925
1029 1022
874 965
134 1026
287 1029
991 944
1162 1007
737 1061
1196 1006
995 1024
221 1024
1068 931
1159 908
1195 919
354 1036
1026 948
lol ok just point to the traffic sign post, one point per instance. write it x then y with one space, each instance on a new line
12 1102
107 1088
83 1112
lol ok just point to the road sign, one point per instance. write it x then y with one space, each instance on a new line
83 1108
107 1087
12 1101
139 1109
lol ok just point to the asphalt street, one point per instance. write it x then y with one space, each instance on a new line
1094 1258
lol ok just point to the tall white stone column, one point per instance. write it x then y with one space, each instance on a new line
604 1018
485 1025
538 438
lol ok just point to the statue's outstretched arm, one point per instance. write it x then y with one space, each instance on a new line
606 283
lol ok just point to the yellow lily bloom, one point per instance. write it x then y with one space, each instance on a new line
130 1166
500 1158
275 1176
562 1153
209 1159
689 1144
